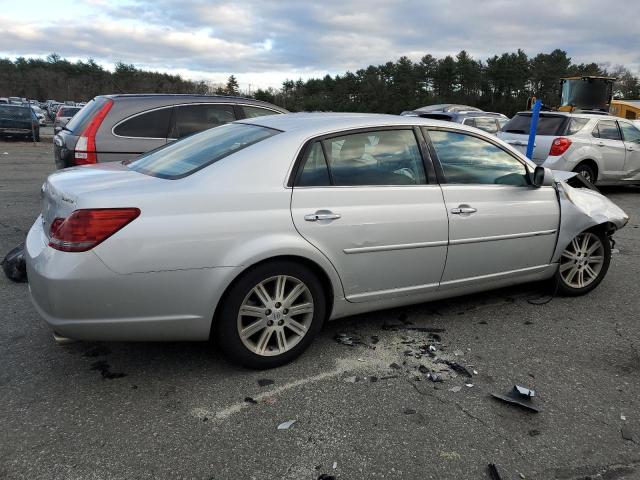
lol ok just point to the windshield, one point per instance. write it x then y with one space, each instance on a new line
183 157
18 113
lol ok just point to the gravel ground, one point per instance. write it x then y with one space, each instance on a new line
178 410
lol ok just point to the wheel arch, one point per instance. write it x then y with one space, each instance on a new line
591 163
328 283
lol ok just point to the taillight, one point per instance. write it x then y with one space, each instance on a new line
85 151
84 229
58 113
559 146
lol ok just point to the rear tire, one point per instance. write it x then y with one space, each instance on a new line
256 326
583 263
587 171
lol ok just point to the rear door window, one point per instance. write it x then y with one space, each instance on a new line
315 172
196 118
252 111
547 124
152 124
390 157
607 130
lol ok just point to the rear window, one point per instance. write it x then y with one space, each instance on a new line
69 112
576 124
547 124
17 113
184 157
82 118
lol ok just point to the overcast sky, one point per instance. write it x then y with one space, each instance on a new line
264 42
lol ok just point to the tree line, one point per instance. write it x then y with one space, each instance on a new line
502 83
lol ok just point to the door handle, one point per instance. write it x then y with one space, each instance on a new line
462 209
321 215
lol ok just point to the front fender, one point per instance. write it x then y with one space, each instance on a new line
581 209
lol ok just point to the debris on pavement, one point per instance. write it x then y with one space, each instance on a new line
455 389
627 434
456 367
250 400
326 476
105 370
14 265
492 470
263 382
409 411
352 379
286 425
520 396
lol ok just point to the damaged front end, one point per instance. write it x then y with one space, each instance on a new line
582 209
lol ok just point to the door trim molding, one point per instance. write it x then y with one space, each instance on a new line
493 238
401 246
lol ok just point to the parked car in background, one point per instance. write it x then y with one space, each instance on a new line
4 100
490 122
40 114
19 121
113 128
63 115
15 100
602 148
52 109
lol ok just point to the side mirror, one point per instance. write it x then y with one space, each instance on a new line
542 177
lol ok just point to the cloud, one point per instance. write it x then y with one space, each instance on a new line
277 39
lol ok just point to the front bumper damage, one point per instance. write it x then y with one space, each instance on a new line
581 209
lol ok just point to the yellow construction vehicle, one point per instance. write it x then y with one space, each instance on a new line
629 109
585 93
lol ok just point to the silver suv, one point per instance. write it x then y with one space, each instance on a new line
112 128
603 148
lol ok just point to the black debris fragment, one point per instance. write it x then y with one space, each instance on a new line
520 396
409 411
373 379
528 322
627 434
263 382
250 400
105 370
423 369
456 367
14 265
434 377
492 470
388 377
482 322
344 339
326 476
534 432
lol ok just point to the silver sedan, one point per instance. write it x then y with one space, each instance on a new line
254 233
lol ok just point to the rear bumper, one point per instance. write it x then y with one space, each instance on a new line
16 131
79 297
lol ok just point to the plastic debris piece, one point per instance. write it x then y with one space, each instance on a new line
250 400
455 389
14 265
627 434
623 418
434 377
335 465
516 398
468 385
352 379
456 367
475 372
409 411
492 470
286 425
263 382
525 391
432 348
373 379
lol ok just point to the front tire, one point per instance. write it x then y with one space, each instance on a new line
270 315
583 263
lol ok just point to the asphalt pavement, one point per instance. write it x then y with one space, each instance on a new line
361 411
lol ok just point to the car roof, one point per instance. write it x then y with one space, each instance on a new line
319 123
602 116
181 97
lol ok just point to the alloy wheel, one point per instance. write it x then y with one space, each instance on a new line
275 315
581 262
